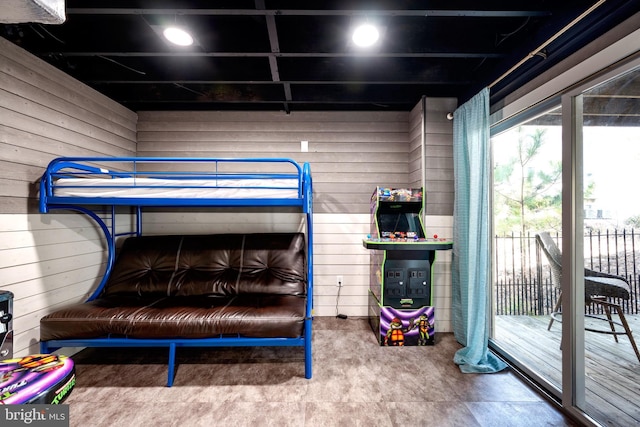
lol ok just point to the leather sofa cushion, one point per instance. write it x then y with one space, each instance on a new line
218 264
257 315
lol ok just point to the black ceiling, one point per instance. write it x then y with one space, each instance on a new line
297 55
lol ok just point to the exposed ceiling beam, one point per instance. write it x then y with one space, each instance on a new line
293 12
283 54
275 49
241 101
290 82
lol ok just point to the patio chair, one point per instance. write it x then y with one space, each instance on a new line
600 289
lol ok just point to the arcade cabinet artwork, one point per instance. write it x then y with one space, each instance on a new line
6 324
400 290
35 379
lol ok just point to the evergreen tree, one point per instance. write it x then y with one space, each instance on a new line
527 194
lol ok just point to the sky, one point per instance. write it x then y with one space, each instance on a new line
611 161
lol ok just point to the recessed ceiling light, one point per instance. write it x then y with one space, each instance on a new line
365 35
178 36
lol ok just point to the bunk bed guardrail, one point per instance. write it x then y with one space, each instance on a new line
149 181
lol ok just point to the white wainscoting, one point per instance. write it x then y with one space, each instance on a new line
48 261
51 260
338 250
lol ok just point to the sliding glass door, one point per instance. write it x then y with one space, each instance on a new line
566 213
606 134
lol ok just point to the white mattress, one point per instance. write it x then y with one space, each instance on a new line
185 188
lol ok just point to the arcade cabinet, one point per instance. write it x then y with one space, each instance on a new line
400 286
35 379
6 324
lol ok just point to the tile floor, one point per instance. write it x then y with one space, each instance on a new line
355 383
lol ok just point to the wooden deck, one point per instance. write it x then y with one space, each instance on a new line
612 369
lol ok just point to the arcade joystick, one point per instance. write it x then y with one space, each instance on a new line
435 236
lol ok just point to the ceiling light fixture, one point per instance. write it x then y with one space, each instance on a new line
365 35
178 36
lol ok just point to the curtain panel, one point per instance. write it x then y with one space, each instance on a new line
471 262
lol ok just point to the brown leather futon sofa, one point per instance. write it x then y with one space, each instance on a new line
183 287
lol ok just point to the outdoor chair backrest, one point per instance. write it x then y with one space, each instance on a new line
597 283
553 254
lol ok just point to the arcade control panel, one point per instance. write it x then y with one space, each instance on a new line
402 269
408 243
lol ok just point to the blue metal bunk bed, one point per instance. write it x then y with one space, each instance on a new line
96 185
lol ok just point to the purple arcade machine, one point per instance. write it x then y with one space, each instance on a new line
6 324
401 308
35 379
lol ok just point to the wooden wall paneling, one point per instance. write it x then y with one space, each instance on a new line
26 325
51 229
46 264
439 156
255 118
338 250
35 292
51 114
19 63
46 114
18 257
86 139
20 98
338 247
441 225
348 152
186 222
49 260
349 155
414 166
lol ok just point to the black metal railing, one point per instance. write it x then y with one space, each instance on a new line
522 276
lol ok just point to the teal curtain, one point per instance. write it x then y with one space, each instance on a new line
471 262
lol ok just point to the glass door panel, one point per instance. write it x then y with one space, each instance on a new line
527 201
610 135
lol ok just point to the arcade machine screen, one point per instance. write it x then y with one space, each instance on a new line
398 223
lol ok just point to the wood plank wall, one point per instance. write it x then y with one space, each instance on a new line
438 153
438 175
349 153
50 260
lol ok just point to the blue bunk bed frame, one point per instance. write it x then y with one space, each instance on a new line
146 167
